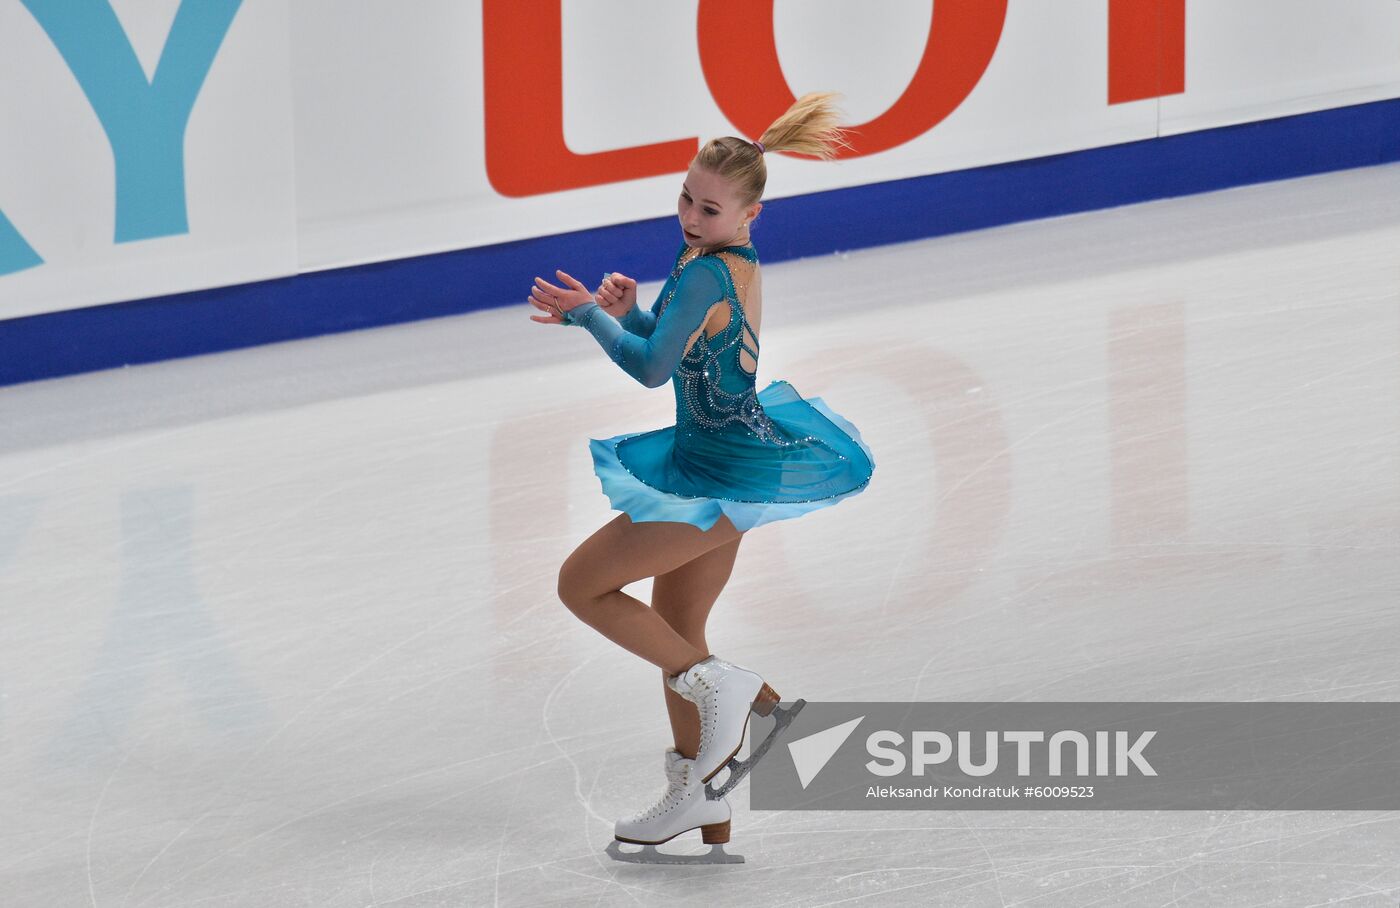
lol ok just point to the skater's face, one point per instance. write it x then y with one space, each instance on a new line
710 211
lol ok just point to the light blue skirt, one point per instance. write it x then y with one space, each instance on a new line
819 460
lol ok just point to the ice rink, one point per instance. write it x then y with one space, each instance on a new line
281 625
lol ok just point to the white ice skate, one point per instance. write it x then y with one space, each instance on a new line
724 693
682 808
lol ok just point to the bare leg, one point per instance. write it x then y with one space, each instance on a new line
592 578
684 597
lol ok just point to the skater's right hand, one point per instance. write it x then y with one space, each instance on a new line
617 295
555 301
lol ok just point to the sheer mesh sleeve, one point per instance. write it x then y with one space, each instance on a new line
639 321
642 322
651 360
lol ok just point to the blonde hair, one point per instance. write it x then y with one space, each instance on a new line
807 127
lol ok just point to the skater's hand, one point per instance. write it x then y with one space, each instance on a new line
555 301
617 295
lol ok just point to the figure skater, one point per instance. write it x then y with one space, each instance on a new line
734 460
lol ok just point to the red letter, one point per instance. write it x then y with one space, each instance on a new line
524 83
1146 49
740 59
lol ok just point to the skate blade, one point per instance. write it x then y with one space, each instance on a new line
738 769
650 854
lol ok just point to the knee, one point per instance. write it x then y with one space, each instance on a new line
573 587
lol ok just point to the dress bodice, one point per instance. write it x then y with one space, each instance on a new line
714 381
750 457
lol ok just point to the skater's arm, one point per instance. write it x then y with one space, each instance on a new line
652 359
642 322
639 322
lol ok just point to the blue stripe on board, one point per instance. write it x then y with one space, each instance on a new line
205 321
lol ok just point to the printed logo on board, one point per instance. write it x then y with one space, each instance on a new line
144 120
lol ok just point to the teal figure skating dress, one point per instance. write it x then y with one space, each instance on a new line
753 456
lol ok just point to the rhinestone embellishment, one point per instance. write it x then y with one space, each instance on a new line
703 402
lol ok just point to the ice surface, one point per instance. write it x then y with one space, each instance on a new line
281 628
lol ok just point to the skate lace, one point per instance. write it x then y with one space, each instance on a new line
702 692
679 777
704 701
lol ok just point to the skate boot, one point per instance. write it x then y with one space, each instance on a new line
682 808
724 693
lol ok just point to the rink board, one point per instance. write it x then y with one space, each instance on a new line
347 299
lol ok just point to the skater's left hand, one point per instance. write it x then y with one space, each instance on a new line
555 301
616 295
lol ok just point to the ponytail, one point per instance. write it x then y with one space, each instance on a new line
807 127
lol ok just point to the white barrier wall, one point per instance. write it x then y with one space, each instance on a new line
142 153
152 147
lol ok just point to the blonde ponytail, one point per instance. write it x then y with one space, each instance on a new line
807 127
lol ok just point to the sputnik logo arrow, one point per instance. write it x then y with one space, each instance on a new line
811 754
